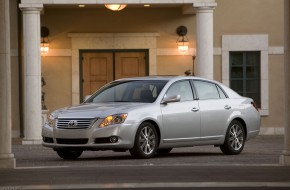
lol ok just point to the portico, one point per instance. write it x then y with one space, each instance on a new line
32 62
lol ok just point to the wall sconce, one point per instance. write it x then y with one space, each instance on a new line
182 41
44 44
115 7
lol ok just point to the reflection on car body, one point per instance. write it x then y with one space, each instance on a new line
149 115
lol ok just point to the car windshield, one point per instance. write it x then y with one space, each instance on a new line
129 91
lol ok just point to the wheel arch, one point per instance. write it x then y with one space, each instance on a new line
156 126
243 124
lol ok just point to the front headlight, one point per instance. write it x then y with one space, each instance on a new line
113 120
51 120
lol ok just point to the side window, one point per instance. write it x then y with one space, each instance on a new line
206 90
222 94
153 90
181 88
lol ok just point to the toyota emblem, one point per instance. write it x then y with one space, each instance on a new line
72 123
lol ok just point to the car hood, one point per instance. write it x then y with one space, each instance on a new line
94 110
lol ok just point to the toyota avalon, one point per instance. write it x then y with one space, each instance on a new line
150 115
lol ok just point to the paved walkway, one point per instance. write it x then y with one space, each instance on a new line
185 168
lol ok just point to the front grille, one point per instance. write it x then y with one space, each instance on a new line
47 139
72 141
74 123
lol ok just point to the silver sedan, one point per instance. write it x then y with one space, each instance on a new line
152 115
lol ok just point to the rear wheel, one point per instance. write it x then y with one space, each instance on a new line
234 140
68 154
146 141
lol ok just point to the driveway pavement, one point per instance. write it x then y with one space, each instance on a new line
184 168
263 150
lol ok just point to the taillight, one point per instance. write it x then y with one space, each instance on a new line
255 106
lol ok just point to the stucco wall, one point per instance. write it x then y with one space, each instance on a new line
55 71
276 93
249 17
177 65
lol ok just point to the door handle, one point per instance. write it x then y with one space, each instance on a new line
194 109
227 107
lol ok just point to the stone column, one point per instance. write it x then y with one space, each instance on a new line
6 157
285 157
32 73
204 39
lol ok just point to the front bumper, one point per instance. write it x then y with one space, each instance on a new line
92 138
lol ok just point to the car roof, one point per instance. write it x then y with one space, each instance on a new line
230 92
165 77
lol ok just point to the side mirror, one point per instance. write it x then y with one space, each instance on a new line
87 97
175 98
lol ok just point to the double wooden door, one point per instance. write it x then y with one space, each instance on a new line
100 68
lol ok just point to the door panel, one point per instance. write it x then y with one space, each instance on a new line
181 120
97 71
215 110
129 64
181 123
214 118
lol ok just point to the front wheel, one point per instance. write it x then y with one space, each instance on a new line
68 154
234 140
146 141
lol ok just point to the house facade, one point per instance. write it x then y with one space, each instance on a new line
239 43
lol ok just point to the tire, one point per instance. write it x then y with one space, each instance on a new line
68 154
164 150
234 140
146 142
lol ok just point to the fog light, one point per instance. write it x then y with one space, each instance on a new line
113 139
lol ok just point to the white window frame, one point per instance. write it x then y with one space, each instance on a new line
248 43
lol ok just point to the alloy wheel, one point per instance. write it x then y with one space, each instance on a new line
147 140
236 138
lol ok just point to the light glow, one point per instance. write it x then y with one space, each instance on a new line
44 48
113 120
115 7
183 46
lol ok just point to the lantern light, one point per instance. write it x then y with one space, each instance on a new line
115 7
182 40
44 44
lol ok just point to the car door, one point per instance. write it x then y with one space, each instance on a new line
215 109
181 120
